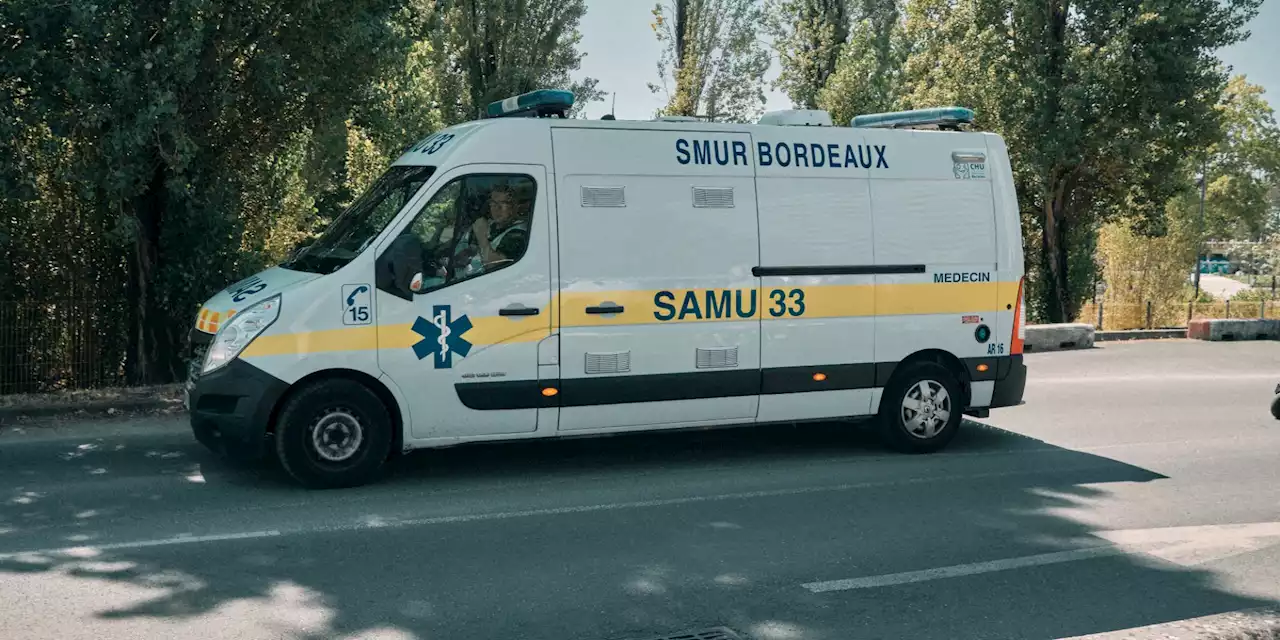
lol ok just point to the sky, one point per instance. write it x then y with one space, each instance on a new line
622 53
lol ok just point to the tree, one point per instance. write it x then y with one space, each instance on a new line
713 62
160 107
1100 102
868 74
502 48
1243 167
808 36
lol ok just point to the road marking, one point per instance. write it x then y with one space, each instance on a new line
669 502
1186 546
1033 380
92 550
963 569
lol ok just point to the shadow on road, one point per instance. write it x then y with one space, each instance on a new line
832 504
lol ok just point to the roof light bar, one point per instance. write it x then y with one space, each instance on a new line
941 117
540 103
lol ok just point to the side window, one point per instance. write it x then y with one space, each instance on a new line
474 225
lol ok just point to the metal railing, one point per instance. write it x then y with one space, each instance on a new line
60 344
1110 316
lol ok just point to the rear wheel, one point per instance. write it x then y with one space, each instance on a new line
334 433
921 410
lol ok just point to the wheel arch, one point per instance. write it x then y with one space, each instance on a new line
373 384
941 357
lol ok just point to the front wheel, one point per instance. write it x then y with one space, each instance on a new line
921 411
334 433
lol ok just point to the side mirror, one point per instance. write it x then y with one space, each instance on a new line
401 266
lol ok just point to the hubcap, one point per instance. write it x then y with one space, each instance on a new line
926 409
337 435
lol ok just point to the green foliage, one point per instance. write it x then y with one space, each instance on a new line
494 49
1099 101
808 36
712 62
152 152
868 77
1243 166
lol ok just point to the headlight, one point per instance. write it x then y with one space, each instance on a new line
239 331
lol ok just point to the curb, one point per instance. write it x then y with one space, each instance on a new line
1249 624
1139 334
10 415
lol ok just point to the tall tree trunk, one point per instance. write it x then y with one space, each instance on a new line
1054 252
149 356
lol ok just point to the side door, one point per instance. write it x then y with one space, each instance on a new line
462 343
658 308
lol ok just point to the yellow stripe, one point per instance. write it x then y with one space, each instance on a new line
929 298
824 301
484 331
352 339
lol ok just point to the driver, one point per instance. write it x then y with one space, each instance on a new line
500 236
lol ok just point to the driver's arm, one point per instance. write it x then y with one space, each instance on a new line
488 253
512 245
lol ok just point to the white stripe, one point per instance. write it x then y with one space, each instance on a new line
668 502
963 569
140 544
1033 379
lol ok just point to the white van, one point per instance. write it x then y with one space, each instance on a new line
533 277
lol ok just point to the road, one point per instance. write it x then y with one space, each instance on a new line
1221 287
1104 503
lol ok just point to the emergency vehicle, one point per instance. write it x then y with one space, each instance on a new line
533 276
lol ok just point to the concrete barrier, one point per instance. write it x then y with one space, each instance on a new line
1054 337
1138 334
1224 330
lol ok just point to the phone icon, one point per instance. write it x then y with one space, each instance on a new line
351 299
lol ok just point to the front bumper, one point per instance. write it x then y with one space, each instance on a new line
231 409
1011 381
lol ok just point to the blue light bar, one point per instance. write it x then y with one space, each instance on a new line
940 116
543 102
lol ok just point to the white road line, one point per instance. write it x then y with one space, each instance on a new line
1185 546
668 502
1223 378
373 521
93 549
964 569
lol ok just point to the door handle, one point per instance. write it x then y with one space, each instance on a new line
607 307
518 311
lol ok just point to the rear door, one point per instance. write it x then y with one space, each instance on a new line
658 307
934 219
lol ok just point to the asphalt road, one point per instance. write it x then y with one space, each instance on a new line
1102 504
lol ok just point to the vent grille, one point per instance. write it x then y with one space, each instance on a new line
604 197
717 358
713 197
715 633
618 362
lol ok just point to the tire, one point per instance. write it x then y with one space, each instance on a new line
899 427
1275 407
333 434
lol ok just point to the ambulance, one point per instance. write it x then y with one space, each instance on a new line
529 275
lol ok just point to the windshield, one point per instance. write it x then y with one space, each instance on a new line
352 231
